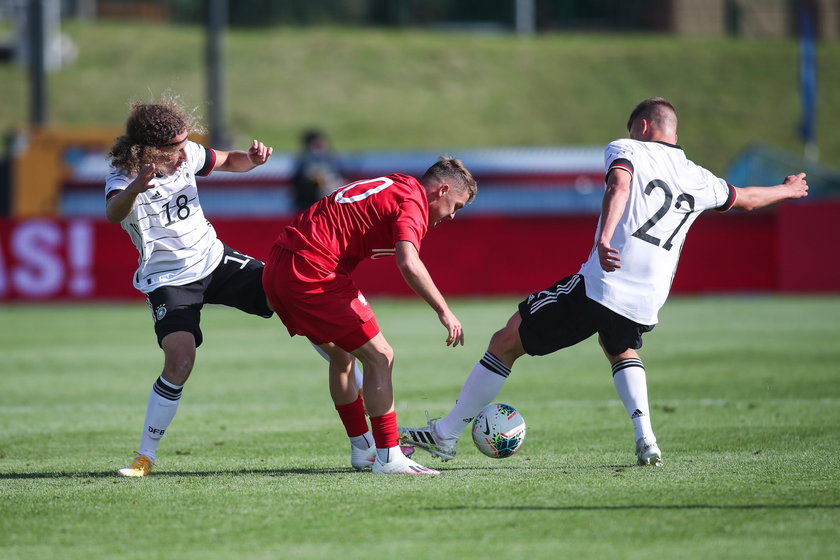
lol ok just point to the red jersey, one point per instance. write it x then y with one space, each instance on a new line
361 220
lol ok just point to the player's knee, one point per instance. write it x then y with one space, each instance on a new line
177 370
179 357
506 345
380 360
384 358
376 354
500 342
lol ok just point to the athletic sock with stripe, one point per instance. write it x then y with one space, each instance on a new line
482 385
163 403
631 385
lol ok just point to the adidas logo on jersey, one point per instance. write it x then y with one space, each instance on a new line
156 195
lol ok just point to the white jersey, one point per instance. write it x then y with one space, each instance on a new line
667 193
177 244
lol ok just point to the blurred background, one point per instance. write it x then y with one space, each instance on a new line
525 92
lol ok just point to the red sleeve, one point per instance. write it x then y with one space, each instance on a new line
412 222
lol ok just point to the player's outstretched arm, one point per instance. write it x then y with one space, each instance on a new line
240 161
752 198
417 276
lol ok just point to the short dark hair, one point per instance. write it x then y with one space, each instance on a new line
451 169
647 108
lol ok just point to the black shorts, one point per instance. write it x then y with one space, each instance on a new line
562 315
236 282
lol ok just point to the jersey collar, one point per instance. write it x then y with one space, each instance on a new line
677 146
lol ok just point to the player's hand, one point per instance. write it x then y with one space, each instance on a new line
259 153
608 258
797 185
453 325
142 182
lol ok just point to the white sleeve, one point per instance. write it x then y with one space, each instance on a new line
618 154
201 159
116 180
721 194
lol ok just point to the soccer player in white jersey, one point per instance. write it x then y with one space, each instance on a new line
151 191
653 195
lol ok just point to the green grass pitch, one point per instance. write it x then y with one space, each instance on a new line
745 395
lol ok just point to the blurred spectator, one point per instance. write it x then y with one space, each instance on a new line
317 172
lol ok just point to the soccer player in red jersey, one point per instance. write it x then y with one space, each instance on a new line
307 280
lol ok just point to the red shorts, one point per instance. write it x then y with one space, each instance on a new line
321 305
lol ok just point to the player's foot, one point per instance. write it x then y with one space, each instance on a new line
400 465
428 439
361 459
648 452
141 466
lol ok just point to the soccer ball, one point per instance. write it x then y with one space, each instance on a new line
498 430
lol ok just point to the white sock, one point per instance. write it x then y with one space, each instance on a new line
364 441
482 385
163 403
631 384
388 455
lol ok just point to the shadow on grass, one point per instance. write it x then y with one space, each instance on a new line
634 507
179 474
293 472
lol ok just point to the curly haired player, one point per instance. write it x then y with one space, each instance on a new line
151 191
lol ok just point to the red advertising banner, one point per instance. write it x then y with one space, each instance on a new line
82 259
48 259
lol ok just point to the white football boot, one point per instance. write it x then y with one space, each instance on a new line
400 464
427 438
361 459
648 452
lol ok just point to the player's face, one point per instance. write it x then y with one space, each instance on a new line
446 202
175 154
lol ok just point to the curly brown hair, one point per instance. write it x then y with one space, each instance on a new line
148 128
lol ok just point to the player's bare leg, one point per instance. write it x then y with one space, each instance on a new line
179 357
350 406
357 370
377 359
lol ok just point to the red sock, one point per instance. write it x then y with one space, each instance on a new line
385 432
353 417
